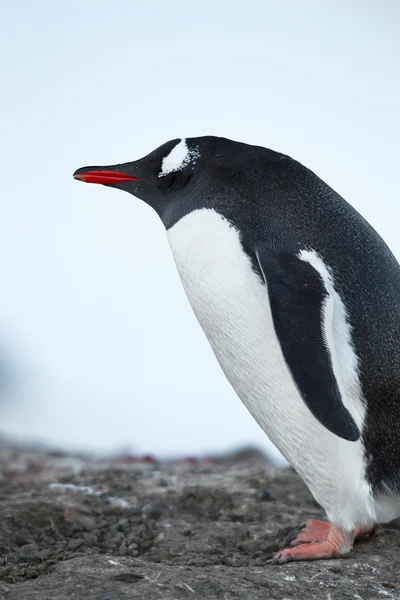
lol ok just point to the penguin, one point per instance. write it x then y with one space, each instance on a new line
299 298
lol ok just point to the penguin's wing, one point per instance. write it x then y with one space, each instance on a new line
297 296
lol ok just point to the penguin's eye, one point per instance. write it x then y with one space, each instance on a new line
175 181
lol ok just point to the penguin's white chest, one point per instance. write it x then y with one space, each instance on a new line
232 306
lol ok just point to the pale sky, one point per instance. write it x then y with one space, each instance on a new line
92 313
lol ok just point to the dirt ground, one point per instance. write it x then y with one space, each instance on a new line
75 528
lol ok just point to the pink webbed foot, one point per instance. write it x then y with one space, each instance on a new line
317 531
313 531
318 540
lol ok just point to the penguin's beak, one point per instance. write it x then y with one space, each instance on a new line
103 175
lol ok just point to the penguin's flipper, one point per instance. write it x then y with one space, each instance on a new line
297 295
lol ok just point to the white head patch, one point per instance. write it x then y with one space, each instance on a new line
179 157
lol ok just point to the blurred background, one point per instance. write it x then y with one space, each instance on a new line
99 349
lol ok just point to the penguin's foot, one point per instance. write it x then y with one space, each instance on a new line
317 531
318 540
313 531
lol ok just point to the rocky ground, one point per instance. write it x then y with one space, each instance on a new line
75 528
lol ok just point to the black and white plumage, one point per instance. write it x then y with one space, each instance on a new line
299 298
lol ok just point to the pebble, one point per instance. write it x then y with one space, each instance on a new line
75 543
89 538
154 510
267 496
27 551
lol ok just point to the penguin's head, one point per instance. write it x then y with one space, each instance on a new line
166 179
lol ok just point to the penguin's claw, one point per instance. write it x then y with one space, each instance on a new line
337 543
311 551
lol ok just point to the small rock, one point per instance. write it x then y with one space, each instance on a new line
75 543
89 538
132 550
45 554
154 510
32 574
27 551
22 540
267 496
122 524
87 523
61 544
221 539
49 541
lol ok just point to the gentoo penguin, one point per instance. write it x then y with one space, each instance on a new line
299 298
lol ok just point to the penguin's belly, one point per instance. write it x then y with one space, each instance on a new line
232 306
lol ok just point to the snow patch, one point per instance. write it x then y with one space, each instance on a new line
89 491
179 158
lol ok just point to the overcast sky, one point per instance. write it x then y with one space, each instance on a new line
91 309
